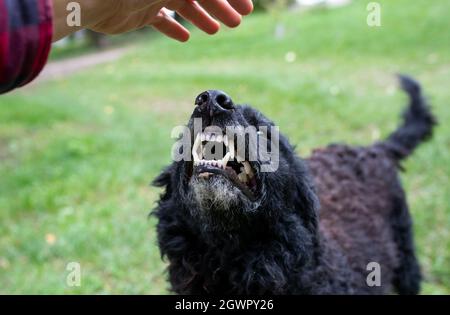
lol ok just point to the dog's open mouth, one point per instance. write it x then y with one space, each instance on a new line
216 155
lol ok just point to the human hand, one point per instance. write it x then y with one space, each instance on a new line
119 16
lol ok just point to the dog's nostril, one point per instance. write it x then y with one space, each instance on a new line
214 102
202 99
224 101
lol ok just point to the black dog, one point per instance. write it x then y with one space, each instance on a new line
227 227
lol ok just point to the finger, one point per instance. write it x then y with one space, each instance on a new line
223 11
244 7
195 14
171 28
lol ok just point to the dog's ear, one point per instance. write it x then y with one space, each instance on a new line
165 180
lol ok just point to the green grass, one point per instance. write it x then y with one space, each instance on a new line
76 155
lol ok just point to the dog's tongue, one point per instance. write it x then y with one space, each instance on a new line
231 175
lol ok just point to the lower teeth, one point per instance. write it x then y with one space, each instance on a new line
209 163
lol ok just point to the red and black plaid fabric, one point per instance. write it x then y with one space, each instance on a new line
25 40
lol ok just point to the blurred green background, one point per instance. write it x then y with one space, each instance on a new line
77 153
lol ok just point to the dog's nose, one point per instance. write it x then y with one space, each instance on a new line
214 102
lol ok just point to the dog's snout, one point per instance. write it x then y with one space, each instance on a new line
214 102
223 100
202 99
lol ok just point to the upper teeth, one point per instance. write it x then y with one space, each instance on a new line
226 158
197 152
211 137
248 169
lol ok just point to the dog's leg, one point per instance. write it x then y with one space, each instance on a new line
407 275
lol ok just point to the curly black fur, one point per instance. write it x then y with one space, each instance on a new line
285 243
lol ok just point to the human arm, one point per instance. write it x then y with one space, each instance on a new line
119 16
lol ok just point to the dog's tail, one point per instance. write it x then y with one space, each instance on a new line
418 122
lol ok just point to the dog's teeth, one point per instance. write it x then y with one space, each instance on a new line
239 158
225 159
219 138
231 147
200 151
203 137
195 147
243 177
248 169
225 140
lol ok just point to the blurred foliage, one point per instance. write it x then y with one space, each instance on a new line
88 42
269 5
98 40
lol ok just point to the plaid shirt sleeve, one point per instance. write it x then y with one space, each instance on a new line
25 39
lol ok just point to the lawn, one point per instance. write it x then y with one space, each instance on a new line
77 155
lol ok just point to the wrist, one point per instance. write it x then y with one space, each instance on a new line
93 11
90 12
